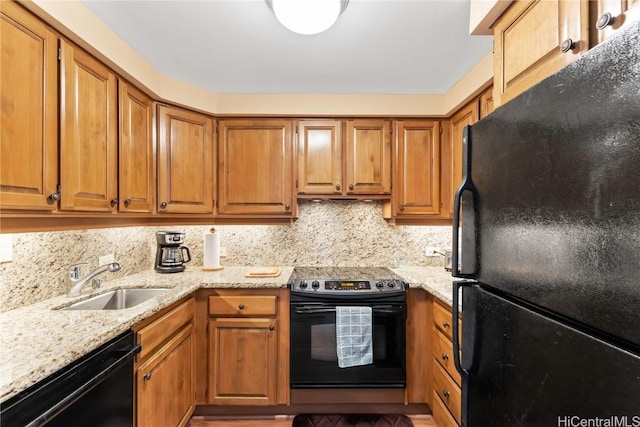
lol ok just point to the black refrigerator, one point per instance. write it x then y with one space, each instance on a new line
547 222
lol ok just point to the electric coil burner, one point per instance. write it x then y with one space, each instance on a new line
315 294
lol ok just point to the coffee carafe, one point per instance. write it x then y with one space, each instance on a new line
171 255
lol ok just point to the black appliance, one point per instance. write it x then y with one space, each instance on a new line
550 213
315 294
96 390
171 255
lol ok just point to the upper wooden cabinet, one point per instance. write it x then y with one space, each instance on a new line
88 133
29 123
465 116
356 162
137 167
320 157
535 38
255 167
417 171
486 103
185 161
607 17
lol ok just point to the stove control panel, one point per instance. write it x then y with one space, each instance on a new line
360 286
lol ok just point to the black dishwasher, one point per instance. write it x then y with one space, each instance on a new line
96 390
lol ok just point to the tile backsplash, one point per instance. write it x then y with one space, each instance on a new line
330 233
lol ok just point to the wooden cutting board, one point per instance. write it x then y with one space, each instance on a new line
264 272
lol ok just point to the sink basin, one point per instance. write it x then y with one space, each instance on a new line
117 299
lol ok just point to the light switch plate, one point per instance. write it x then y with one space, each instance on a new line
106 259
6 248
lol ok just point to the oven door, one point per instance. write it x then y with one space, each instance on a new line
314 361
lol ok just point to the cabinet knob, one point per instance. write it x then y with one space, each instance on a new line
567 45
350 187
338 187
271 328
127 202
605 20
445 324
163 205
445 356
54 197
401 207
287 207
446 393
241 306
114 202
147 376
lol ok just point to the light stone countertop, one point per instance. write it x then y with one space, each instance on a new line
38 340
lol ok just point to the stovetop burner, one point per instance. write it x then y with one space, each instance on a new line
358 280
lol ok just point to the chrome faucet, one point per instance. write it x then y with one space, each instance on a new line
77 282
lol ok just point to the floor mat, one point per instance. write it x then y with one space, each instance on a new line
359 420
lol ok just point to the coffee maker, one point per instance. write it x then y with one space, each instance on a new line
171 255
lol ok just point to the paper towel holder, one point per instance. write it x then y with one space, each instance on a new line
214 268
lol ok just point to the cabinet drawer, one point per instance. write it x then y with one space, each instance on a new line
442 319
447 390
441 414
443 353
152 336
243 306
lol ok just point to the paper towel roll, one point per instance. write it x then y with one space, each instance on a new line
211 250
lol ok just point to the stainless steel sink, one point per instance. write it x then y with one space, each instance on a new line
117 299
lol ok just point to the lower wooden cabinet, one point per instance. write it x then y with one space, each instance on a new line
165 375
246 352
446 398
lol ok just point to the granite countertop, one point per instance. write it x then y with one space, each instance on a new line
38 340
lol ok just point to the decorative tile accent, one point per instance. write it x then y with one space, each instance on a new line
331 233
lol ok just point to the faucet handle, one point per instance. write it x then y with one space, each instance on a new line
74 270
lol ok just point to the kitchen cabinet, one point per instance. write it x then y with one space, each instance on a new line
255 167
29 122
486 103
344 157
88 133
136 178
446 400
610 16
418 168
533 39
185 161
465 116
247 346
165 375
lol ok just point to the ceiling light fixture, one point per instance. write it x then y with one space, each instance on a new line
307 16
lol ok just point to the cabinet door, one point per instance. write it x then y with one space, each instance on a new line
417 191
165 384
28 127
320 157
136 173
611 16
242 361
528 39
185 161
88 133
368 166
467 115
255 167
486 103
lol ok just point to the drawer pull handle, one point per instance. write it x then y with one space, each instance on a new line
605 20
54 197
271 328
163 205
351 187
338 187
446 393
114 202
445 356
241 306
567 45
445 324
127 202
147 376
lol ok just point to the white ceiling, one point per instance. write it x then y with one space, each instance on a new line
237 46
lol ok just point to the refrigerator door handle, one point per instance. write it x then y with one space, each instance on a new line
456 332
466 185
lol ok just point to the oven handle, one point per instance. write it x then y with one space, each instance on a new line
76 394
317 310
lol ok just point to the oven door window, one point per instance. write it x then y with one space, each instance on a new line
314 361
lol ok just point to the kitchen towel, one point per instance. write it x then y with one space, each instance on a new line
354 337
212 251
